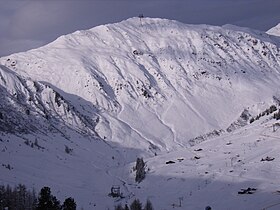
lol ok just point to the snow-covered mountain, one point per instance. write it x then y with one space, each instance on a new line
274 31
77 112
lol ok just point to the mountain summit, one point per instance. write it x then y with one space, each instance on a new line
140 87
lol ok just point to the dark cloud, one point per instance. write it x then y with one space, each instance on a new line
25 24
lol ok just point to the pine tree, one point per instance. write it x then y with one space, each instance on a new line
136 205
32 200
47 201
9 197
21 196
126 207
69 204
140 170
277 115
2 197
18 198
56 203
119 207
148 205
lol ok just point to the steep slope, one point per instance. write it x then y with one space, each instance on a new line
178 80
45 141
30 107
79 110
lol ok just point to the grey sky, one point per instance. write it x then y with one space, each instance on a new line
26 24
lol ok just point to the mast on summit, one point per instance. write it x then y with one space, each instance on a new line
141 16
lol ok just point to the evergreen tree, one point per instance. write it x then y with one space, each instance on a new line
140 170
126 207
21 196
272 108
32 200
18 198
119 207
2 197
9 197
148 205
136 205
56 203
69 204
277 115
47 201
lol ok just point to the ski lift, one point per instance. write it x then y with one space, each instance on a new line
115 191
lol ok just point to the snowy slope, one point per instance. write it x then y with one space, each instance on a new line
135 88
46 142
274 31
27 106
213 172
170 70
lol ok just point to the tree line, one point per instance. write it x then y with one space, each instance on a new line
20 198
136 205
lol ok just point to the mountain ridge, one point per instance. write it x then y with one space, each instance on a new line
158 66
142 87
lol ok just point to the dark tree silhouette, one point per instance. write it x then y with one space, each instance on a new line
47 201
119 207
18 198
136 205
140 170
126 207
69 204
148 205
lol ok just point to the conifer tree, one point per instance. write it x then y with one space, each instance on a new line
47 201
126 207
140 170
136 205
69 204
119 207
18 198
148 205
